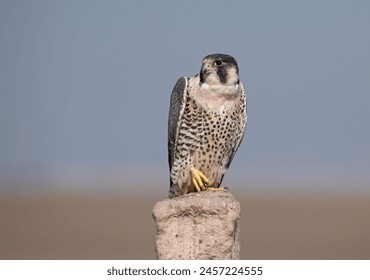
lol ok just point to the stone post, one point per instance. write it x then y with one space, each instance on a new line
198 226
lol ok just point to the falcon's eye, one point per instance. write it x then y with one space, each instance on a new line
218 62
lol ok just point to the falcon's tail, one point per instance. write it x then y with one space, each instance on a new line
174 191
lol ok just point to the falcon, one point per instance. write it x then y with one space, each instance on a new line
206 124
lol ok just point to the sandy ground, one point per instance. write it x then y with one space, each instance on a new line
103 227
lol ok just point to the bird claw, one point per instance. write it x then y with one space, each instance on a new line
199 180
217 189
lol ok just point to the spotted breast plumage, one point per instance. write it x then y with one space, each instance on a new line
206 124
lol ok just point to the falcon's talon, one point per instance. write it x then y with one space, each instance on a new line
196 185
216 189
199 180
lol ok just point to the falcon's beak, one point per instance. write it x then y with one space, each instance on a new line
205 69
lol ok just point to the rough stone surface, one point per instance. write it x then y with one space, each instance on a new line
198 226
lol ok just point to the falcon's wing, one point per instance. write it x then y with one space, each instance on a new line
177 105
243 123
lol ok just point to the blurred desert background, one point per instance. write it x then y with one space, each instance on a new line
118 227
84 95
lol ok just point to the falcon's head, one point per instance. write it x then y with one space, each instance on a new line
219 69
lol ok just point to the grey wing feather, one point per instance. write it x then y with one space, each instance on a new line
243 124
177 105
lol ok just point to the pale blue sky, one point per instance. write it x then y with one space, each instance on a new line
86 84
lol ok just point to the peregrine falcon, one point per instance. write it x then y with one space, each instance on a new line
206 124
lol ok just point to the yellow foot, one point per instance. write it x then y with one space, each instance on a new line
216 189
200 181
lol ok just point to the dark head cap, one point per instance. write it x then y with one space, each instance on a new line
219 68
225 58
